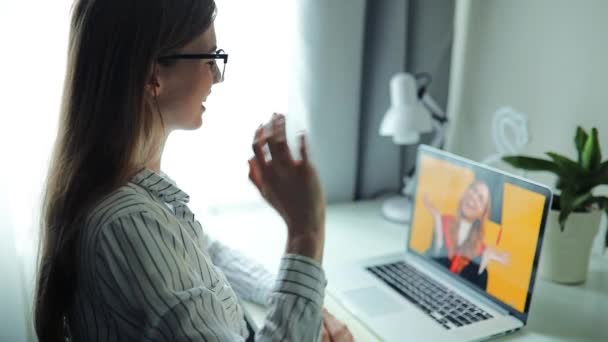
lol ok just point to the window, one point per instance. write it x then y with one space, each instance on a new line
211 164
32 67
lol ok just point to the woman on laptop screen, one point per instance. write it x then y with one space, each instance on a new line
458 240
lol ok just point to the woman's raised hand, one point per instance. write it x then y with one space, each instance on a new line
490 254
290 186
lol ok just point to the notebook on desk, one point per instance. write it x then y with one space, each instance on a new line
468 267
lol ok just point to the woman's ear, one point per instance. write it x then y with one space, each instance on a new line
154 85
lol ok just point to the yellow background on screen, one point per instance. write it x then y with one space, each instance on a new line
443 183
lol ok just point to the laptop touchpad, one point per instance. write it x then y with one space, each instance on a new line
373 301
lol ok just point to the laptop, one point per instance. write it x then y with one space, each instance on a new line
469 262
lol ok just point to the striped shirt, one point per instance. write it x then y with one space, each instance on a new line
148 272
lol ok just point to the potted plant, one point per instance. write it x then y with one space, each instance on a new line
576 212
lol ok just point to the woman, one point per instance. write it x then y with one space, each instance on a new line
459 240
122 257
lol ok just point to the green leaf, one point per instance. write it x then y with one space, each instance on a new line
581 201
592 154
600 175
601 201
560 184
606 240
598 149
579 141
568 167
531 163
606 237
563 217
597 177
570 202
565 204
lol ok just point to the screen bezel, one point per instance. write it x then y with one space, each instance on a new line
518 181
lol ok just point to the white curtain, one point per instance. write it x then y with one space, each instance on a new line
327 74
13 311
33 35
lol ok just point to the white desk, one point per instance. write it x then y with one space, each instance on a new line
357 230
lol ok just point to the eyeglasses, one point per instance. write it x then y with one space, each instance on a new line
217 61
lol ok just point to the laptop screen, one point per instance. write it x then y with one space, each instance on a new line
479 224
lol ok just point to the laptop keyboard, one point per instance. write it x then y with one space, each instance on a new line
444 306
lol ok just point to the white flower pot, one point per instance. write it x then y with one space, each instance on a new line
565 255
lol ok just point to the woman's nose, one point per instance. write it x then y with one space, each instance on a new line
217 74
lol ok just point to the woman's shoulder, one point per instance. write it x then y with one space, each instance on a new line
127 200
110 220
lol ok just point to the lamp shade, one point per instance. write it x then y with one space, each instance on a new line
407 117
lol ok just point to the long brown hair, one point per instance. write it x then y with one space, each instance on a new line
472 245
109 127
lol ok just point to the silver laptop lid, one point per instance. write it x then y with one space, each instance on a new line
480 225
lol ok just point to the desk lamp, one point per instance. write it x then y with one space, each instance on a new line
412 113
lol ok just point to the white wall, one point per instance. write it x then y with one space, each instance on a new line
546 58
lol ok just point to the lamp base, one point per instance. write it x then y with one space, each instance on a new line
397 209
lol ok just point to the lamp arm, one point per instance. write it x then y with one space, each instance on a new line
439 119
436 112
439 134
